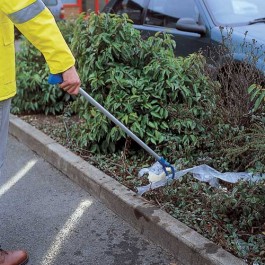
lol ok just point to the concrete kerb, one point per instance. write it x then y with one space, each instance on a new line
189 247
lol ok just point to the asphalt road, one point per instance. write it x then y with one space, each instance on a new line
58 222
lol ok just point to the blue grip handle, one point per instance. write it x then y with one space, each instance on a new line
55 79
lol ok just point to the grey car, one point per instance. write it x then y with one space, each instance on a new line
200 24
56 8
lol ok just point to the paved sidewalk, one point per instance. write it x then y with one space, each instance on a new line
44 212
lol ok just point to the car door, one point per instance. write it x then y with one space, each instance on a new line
163 16
151 16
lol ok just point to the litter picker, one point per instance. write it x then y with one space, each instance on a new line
55 79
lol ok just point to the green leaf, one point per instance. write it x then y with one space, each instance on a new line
259 100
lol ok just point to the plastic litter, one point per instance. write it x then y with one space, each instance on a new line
204 173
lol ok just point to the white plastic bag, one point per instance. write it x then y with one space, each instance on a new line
158 178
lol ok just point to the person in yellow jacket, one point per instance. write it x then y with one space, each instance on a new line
37 24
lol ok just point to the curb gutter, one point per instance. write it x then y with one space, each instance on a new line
189 247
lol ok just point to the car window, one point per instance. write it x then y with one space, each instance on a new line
50 2
227 12
134 9
166 13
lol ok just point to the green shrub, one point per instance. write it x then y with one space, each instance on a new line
240 108
161 98
243 148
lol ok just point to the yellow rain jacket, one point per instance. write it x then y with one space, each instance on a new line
36 22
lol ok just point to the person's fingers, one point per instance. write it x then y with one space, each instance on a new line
71 83
70 87
74 90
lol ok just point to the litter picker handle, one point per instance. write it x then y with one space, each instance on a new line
57 79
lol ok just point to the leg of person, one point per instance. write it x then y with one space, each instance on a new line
18 257
4 121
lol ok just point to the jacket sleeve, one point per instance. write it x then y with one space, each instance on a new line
37 24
